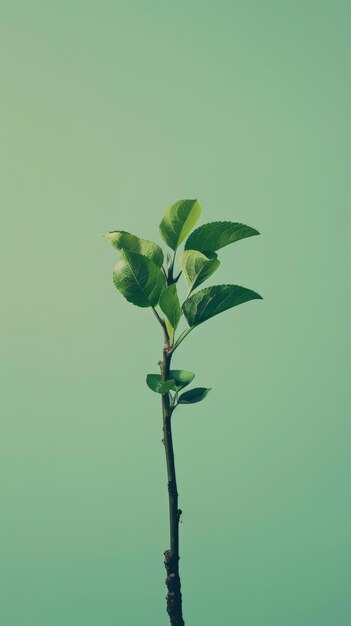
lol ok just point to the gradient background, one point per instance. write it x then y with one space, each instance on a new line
110 111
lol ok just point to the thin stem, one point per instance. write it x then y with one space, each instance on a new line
181 338
163 326
174 596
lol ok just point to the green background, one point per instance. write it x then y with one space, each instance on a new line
110 111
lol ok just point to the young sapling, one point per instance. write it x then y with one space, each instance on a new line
148 280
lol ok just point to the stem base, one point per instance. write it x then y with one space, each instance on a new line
174 595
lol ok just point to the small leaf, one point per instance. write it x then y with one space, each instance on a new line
166 387
170 305
193 395
210 301
138 279
180 218
154 382
215 235
122 240
197 267
182 377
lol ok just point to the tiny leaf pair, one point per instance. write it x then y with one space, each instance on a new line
154 382
178 378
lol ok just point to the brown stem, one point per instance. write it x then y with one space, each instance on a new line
174 596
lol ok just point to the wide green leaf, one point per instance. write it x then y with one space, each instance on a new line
170 305
197 267
139 279
182 378
178 221
122 240
210 301
193 395
154 382
215 235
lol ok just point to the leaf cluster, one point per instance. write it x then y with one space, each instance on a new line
146 278
179 379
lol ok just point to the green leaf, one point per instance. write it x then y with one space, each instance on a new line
193 395
170 330
122 240
180 218
170 305
154 382
197 267
210 301
139 279
215 235
179 379
182 377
